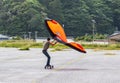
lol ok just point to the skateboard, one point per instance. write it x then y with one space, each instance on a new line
49 67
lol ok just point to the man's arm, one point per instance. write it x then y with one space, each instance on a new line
53 42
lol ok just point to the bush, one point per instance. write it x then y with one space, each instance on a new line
88 37
24 48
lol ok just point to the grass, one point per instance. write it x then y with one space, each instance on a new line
103 47
21 44
26 44
24 48
59 47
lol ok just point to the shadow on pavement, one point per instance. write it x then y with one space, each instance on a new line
71 69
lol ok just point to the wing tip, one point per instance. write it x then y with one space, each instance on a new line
84 52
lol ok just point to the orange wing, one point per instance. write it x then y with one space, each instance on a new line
76 46
56 29
57 32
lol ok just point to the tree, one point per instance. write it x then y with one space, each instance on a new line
77 19
102 14
115 6
22 16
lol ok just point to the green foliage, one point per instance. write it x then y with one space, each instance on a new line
24 48
18 17
16 43
27 44
17 38
90 37
36 45
21 17
102 47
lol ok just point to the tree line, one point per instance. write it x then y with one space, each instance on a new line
19 17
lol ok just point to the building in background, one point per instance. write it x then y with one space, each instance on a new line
4 37
115 37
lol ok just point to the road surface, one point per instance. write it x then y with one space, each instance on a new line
97 66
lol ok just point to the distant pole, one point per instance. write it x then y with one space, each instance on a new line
116 29
93 30
63 25
29 35
36 35
25 36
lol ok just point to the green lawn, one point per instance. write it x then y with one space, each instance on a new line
26 44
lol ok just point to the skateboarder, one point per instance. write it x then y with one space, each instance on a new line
45 47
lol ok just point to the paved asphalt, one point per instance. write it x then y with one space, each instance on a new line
70 66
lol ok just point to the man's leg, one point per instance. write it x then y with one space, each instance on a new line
48 57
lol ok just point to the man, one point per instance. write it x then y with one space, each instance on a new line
45 47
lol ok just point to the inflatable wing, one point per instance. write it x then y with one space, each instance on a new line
57 32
